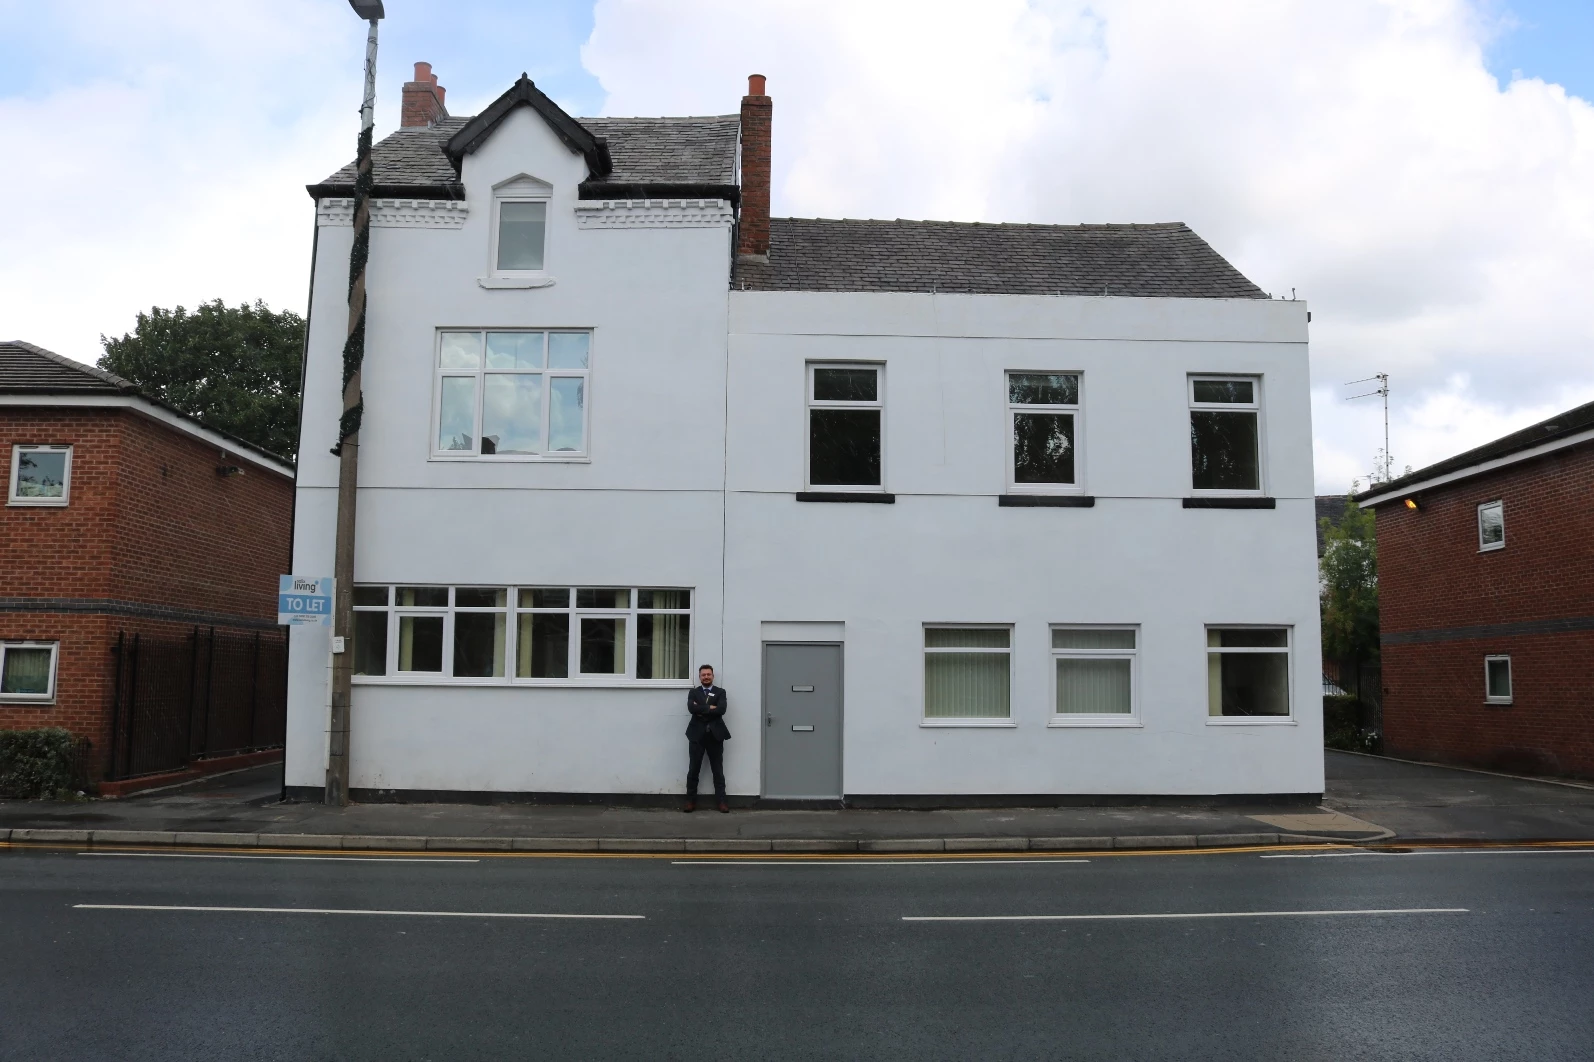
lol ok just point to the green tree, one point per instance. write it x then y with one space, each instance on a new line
233 369
1349 586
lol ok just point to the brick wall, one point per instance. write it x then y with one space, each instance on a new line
150 522
1433 578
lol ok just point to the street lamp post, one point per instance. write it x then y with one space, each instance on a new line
348 447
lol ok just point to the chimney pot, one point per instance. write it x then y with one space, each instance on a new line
422 99
753 224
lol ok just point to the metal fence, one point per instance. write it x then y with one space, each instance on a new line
1363 680
212 693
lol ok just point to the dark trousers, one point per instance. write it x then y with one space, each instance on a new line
716 763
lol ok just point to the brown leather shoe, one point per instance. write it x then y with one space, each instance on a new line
724 808
691 805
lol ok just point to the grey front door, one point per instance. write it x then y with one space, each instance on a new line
802 721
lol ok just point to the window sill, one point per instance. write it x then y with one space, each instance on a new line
1489 702
513 459
1067 723
433 681
867 497
21 701
1481 549
1046 501
533 280
29 503
974 724
1251 720
1232 502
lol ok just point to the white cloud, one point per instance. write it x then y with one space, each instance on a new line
1359 152
172 168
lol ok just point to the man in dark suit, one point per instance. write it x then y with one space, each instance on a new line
706 733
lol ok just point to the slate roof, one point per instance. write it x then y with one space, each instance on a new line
26 369
1573 421
1166 260
1330 507
668 153
29 370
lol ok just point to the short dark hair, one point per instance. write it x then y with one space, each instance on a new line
705 667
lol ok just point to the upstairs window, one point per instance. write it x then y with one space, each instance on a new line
512 394
1491 526
520 233
1043 414
40 474
844 427
1225 452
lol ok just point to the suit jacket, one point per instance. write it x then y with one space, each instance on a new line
708 714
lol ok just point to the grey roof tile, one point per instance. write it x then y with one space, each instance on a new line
1167 260
29 370
662 151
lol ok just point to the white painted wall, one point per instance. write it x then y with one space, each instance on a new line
697 439
946 553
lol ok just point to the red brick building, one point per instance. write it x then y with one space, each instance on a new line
1486 594
123 517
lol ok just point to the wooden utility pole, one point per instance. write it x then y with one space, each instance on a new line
348 447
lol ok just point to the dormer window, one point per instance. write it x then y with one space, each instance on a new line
522 224
519 253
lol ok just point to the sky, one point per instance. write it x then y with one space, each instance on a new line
1421 171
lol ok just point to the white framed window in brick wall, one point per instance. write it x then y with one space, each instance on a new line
531 635
1045 431
41 474
1094 676
1497 679
27 671
511 395
1491 526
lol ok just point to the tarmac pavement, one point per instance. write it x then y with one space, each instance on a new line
1368 799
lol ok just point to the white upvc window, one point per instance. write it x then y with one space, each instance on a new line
846 427
1497 679
532 635
1094 676
1248 674
968 675
518 396
1491 526
41 474
518 248
1044 429
1226 435
27 671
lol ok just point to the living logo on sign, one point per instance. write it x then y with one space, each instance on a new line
304 599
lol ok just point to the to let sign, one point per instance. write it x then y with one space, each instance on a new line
304 599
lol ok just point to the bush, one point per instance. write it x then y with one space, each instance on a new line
38 763
1345 726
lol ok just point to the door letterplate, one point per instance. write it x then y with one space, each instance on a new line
802 689
803 728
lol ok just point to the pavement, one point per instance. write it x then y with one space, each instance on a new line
1301 954
1368 799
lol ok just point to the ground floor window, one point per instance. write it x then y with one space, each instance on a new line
1248 671
1094 669
968 674
558 634
1497 680
27 671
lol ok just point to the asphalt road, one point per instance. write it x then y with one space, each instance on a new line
1491 958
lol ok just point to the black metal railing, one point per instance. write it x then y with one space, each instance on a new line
212 693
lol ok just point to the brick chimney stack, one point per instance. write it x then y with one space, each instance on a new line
423 99
754 227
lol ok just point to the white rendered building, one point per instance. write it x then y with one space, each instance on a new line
957 511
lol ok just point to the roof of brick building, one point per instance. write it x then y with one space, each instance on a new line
1572 422
26 369
1159 260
